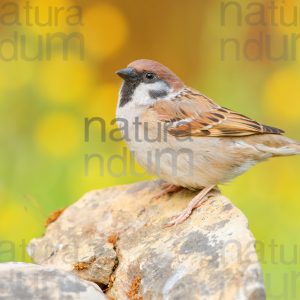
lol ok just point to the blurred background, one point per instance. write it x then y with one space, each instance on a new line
57 67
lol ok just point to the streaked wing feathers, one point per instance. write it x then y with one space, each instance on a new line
187 118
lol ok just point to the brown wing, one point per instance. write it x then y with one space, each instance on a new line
191 118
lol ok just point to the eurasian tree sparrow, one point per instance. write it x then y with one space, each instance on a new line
211 144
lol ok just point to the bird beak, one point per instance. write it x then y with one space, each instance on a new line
127 74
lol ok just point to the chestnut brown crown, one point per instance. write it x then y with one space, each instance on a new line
164 73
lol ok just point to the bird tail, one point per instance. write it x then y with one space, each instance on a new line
292 149
296 148
286 147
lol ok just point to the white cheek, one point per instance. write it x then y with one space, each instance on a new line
141 94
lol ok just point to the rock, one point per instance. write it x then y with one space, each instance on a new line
116 237
21 281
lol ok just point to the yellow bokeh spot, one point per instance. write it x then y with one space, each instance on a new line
103 102
282 94
105 29
290 178
12 217
18 225
58 134
65 80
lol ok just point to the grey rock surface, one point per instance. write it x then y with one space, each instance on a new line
116 237
21 281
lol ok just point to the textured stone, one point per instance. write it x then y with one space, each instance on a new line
21 281
116 237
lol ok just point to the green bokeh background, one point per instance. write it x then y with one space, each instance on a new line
43 104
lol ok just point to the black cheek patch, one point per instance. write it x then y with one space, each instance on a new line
157 93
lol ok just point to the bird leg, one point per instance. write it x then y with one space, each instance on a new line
194 203
167 188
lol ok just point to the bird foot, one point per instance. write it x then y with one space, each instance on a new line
196 202
184 214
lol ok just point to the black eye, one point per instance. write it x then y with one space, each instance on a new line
149 76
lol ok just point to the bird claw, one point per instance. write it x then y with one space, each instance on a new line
179 218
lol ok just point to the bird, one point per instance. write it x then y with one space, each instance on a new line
185 138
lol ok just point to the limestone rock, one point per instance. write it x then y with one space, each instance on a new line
116 237
21 281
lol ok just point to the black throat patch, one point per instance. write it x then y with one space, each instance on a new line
127 90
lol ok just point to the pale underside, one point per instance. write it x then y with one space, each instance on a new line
193 142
